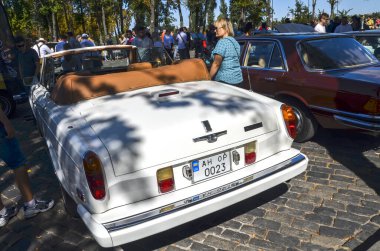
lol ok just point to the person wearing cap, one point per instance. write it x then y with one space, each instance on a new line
85 42
41 48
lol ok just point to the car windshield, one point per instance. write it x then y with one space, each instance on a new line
334 53
101 61
371 43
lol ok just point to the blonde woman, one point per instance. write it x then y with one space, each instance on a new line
226 55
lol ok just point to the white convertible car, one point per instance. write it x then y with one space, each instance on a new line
139 150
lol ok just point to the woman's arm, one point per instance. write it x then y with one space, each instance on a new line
215 65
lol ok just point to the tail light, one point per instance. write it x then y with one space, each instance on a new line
250 153
94 175
165 179
290 120
372 106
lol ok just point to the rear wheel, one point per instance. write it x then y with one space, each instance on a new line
7 104
306 123
69 203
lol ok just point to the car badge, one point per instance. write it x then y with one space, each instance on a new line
211 138
207 126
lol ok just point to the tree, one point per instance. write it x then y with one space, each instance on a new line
211 13
180 13
332 6
300 12
313 4
242 11
223 9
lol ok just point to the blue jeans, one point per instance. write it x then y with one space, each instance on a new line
10 151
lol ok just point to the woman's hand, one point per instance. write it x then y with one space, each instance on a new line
215 65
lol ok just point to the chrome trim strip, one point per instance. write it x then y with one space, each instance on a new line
158 212
359 124
366 117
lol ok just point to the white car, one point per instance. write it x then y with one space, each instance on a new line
139 151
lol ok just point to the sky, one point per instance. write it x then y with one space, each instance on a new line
281 8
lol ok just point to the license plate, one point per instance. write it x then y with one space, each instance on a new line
211 166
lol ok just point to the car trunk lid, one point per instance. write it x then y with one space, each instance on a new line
158 125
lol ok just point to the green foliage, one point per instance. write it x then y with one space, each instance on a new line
300 13
223 9
243 11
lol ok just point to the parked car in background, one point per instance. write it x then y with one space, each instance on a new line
370 39
329 79
139 150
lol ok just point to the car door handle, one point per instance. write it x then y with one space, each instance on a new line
271 79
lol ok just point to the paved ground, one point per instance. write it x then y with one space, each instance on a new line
334 205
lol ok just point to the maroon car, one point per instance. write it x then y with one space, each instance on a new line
330 80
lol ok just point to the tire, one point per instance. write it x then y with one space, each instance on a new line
306 123
8 105
69 203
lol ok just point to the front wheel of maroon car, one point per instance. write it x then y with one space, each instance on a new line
306 123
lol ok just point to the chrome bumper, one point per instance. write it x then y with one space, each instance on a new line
154 221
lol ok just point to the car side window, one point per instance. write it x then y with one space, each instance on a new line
276 62
259 54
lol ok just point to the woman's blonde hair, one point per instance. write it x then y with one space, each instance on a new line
226 24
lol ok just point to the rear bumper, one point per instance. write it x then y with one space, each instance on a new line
169 216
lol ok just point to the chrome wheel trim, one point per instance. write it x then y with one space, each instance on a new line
299 117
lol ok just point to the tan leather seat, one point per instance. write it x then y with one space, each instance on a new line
71 88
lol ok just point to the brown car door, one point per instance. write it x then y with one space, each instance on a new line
263 66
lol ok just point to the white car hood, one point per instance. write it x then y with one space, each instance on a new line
141 130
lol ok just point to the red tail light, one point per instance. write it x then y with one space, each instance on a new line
250 153
165 179
94 175
290 120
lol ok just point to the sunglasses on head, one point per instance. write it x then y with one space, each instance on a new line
20 45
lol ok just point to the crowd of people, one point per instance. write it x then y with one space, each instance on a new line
343 24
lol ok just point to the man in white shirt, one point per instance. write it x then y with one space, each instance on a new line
322 23
344 26
41 48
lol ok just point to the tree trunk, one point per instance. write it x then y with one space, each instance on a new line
268 12
68 23
204 16
104 21
49 26
121 16
313 5
180 13
54 26
332 14
152 18
242 15
82 16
